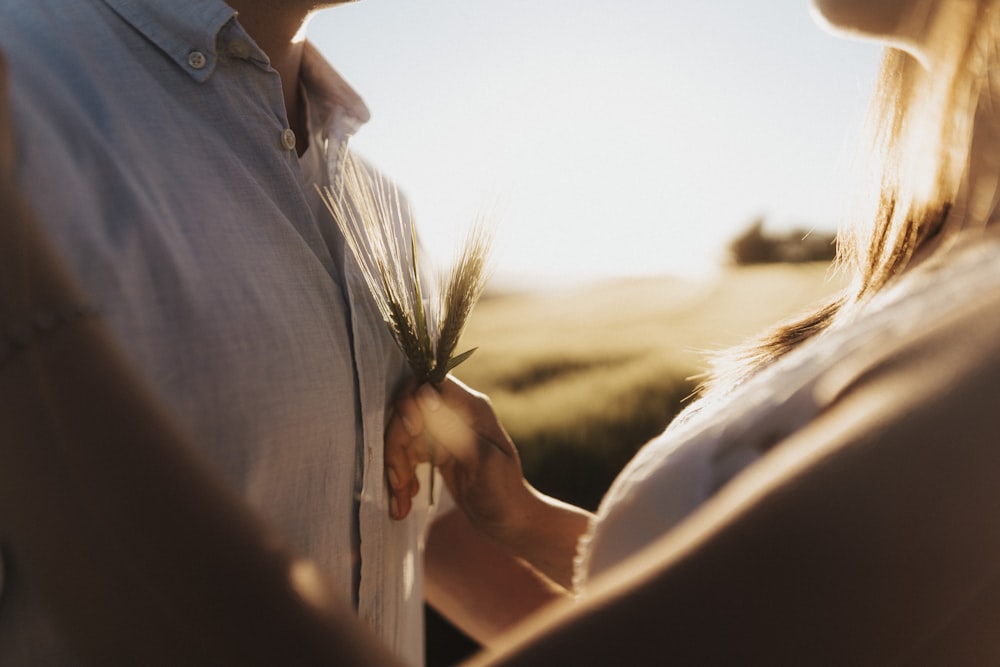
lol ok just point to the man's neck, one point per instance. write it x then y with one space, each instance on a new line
275 27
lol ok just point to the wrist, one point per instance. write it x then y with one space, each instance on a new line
546 533
526 511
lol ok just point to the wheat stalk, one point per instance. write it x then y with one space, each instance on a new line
378 230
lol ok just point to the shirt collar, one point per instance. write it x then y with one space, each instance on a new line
331 98
180 28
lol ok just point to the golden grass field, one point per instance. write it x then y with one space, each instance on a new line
583 376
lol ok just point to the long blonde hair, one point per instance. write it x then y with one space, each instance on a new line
916 148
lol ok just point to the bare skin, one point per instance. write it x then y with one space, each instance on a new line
483 472
900 23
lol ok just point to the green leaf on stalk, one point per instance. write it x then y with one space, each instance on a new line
376 224
457 359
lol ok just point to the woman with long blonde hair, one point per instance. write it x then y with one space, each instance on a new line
828 499
919 180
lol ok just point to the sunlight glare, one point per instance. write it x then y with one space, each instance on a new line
628 139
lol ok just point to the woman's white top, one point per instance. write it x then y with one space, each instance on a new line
717 437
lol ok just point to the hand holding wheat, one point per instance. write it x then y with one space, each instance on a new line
378 230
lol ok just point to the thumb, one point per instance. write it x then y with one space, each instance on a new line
478 413
446 426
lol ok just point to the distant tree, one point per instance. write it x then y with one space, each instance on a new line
755 246
752 246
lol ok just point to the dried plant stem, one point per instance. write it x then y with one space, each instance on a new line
378 230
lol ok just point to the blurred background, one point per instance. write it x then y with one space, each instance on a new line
665 176
612 138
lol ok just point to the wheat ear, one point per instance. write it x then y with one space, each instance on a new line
377 227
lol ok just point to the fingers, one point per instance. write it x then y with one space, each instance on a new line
405 448
407 410
459 421
411 421
400 473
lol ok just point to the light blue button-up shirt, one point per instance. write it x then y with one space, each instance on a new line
154 144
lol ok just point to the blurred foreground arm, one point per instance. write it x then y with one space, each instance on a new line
142 553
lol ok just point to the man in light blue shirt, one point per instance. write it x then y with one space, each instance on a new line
174 166
171 151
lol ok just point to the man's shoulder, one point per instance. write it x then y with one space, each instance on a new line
55 49
77 71
50 26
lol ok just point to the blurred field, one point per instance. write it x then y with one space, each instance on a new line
582 377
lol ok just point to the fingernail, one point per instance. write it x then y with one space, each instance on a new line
393 507
408 425
428 398
393 479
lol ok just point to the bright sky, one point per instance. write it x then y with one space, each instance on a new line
613 138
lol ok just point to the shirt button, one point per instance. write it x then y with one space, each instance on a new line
197 60
288 139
